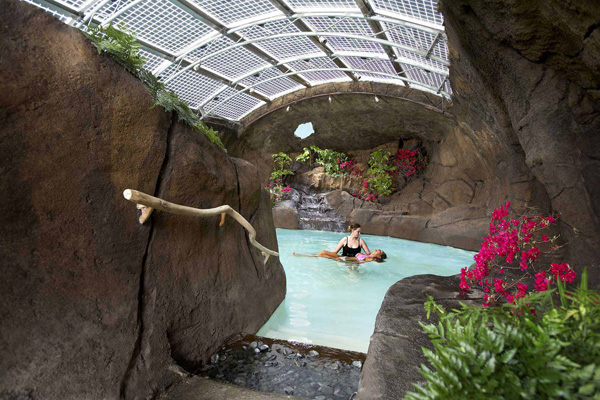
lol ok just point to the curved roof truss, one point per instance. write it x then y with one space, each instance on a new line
249 52
213 109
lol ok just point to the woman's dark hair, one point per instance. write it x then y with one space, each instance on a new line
353 227
382 257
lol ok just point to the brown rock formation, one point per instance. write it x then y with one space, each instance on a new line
351 122
531 71
523 125
395 355
93 304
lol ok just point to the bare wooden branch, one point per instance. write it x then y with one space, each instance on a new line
154 202
146 211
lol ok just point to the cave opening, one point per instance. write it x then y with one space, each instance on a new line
304 130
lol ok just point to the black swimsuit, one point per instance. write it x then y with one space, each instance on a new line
350 251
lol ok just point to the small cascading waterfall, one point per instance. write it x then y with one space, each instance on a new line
315 213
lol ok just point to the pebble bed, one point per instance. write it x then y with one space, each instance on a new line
297 369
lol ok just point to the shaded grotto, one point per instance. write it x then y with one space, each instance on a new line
95 305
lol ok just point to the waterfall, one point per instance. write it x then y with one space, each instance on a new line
315 213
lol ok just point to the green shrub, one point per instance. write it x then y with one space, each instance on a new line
124 49
283 163
534 349
307 155
329 159
380 173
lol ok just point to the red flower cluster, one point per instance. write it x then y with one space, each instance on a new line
507 240
349 167
563 272
276 190
410 162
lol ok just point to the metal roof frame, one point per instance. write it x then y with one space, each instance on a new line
437 90
401 39
424 87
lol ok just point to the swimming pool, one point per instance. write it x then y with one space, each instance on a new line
331 305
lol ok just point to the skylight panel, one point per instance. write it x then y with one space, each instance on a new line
351 26
272 88
312 5
318 77
268 29
354 26
233 12
407 36
283 47
427 78
371 64
233 63
425 10
152 60
421 59
352 44
288 47
110 8
235 108
191 86
441 50
164 24
76 4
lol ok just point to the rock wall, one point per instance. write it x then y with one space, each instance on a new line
523 125
472 170
352 121
395 356
530 71
94 305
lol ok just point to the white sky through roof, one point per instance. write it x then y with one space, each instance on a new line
226 58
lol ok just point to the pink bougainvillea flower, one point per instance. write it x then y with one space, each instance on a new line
541 282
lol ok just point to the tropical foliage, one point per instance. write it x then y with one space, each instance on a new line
124 49
329 159
508 352
380 173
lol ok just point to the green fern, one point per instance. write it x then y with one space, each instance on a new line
509 353
125 50
120 45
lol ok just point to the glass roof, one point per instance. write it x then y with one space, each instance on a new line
229 57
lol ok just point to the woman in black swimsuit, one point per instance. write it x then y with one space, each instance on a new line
353 244
350 245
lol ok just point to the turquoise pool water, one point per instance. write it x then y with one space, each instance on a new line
330 304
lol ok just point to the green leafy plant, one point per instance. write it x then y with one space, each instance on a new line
380 173
124 49
283 163
545 346
120 45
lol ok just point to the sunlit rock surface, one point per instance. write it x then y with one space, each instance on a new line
523 125
530 72
94 305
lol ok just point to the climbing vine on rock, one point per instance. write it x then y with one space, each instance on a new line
283 164
124 49
379 175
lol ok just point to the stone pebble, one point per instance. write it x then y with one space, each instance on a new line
282 370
